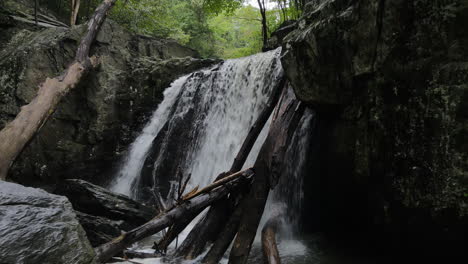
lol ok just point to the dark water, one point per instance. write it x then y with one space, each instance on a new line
317 249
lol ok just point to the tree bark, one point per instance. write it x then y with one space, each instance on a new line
219 212
19 132
267 170
35 10
163 220
261 4
269 245
75 8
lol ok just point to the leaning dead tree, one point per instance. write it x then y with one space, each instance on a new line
196 201
18 133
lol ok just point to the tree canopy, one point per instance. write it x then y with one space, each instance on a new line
216 28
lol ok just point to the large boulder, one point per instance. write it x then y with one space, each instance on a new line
38 227
389 82
95 123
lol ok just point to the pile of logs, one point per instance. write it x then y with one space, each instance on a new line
236 199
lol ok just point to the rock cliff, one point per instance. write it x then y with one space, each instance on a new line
95 123
389 82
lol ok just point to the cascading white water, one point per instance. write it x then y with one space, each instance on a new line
224 102
131 169
200 126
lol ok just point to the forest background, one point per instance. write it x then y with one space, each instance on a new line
215 28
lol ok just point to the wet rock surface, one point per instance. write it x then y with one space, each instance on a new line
104 215
94 124
38 227
97 201
100 230
388 79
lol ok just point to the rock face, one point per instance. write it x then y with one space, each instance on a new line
278 35
95 123
38 227
94 200
389 81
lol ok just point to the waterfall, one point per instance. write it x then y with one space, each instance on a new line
131 169
200 125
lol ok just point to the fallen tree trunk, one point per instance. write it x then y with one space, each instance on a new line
201 234
269 245
172 215
18 133
267 171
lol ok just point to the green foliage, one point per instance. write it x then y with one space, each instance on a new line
215 28
238 34
219 6
148 17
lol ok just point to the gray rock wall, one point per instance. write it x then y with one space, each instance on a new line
94 124
388 79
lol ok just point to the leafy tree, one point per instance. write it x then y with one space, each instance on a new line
238 34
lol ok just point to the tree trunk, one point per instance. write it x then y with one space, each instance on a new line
75 8
261 4
19 132
195 242
163 220
269 245
35 10
267 170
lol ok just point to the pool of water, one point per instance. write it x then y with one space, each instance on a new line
314 248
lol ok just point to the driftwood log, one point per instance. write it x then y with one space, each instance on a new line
172 215
269 245
18 133
211 224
